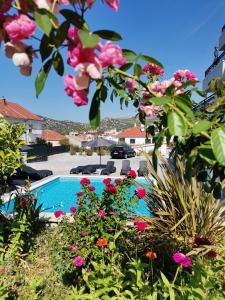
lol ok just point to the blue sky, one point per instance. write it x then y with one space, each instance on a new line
181 34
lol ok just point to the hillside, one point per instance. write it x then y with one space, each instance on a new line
64 127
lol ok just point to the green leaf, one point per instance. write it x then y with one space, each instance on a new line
118 88
88 39
42 76
165 280
151 60
103 93
201 126
126 67
74 19
58 63
185 108
45 47
109 35
43 21
94 114
61 34
176 124
160 100
137 70
206 153
218 145
129 55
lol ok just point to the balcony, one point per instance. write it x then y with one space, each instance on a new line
222 40
217 69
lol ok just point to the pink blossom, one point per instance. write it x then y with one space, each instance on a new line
158 88
131 85
102 213
132 174
85 181
140 192
182 259
112 213
118 180
181 75
84 233
91 188
73 35
19 27
114 4
73 209
149 110
78 261
190 75
79 97
111 189
78 54
58 213
141 226
153 70
73 247
110 55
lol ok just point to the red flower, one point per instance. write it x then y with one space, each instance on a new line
58 213
85 181
141 226
110 188
107 180
91 188
140 192
132 174
79 194
101 242
73 209
118 180
201 241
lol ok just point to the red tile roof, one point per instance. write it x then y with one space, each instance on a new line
50 135
14 110
135 132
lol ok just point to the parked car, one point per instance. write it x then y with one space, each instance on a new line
122 152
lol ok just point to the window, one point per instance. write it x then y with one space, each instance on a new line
148 141
122 139
132 141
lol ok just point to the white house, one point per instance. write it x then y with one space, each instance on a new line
15 113
136 138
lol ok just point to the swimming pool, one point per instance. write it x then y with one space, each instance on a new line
59 193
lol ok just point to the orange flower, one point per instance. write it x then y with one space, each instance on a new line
101 242
151 255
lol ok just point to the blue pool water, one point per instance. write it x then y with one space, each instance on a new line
60 194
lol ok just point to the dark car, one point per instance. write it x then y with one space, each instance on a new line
122 152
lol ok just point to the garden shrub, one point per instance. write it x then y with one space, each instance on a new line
74 149
89 152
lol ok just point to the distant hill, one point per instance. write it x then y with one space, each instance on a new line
64 127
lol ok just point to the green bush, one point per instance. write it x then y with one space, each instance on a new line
74 149
89 152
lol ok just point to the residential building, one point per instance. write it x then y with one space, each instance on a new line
52 137
136 138
15 113
217 68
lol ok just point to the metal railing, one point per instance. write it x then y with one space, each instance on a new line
204 103
215 63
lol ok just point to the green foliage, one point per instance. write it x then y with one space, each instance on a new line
89 152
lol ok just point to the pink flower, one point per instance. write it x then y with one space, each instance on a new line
140 192
112 213
85 181
19 27
132 174
131 85
118 180
149 110
91 188
79 194
78 54
141 226
111 55
79 97
114 4
182 259
153 70
78 261
110 188
190 75
73 209
179 75
84 233
107 180
73 247
101 213
58 213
